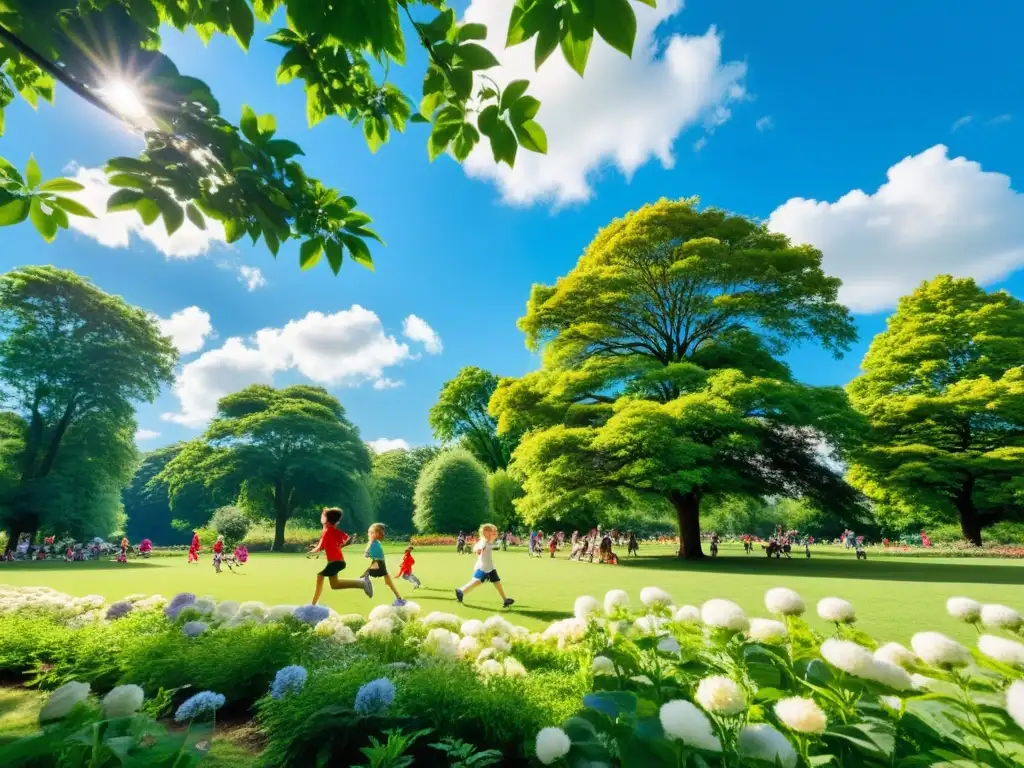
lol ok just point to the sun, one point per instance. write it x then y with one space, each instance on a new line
124 99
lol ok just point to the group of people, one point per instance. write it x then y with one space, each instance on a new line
74 552
221 555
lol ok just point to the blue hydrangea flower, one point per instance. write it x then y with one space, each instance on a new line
119 610
375 697
288 680
178 603
311 614
205 702
194 628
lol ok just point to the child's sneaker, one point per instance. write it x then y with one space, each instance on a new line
508 602
399 602
367 586
458 595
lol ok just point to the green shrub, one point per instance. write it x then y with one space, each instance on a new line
452 494
945 534
231 523
297 537
504 491
1006 532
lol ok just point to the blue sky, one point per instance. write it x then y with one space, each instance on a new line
752 106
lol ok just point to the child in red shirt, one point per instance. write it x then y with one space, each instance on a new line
218 553
331 543
405 569
193 551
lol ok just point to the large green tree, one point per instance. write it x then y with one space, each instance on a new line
943 389
73 361
148 506
452 494
197 164
276 452
460 414
393 485
660 371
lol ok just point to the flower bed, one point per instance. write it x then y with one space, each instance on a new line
617 684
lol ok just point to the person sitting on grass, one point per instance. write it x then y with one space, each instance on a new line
332 541
378 566
484 569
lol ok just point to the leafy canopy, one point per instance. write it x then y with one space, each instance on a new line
393 485
943 390
276 452
460 414
660 372
199 165
452 494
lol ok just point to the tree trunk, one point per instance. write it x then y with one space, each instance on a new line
970 523
687 506
280 518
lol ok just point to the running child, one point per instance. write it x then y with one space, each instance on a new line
241 554
193 550
633 546
405 569
378 567
331 543
484 569
553 546
218 553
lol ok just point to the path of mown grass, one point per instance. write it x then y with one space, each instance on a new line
894 597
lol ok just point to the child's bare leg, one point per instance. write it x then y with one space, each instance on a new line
391 586
473 584
501 591
319 589
337 583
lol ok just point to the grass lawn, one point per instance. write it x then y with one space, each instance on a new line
894 597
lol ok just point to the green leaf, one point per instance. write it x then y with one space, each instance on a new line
32 173
14 212
472 32
309 252
334 255
60 217
267 126
465 140
123 200
270 238
503 144
148 210
523 109
476 56
358 250
42 221
615 22
579 34
172 211
73 207
60 185
128 165
461 80
282 149
375 130
241 22
449 121
488 120
316 107
7 169
437 30
531 136
195 216
512 92
128 180
547 38
234 230
265 9
249 124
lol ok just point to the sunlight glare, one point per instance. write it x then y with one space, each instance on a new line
123 98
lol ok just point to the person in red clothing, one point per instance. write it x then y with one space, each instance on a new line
218 553
193 551
331 543
405 569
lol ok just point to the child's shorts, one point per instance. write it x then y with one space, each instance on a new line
333 568
486 576
377 570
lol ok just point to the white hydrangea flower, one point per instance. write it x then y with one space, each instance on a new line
767 631
487 653
964 609
491 667
721 695
649 625
279 612
616 598
513 668
123 701
63 700
687 614
410 609
1000 617
585 607
379 628
1015 702
837 610
894 653
252 610
501 644
889 674
938 650
801 715
521 632
682 721
552 744
204 605
723 614
441 619
655 597
784 601
226 610
847 656
469 647
440 642
352 619
566 631
920 682
602 665
999 648
384 611
765 744
134 597
498 624
472 628
151 603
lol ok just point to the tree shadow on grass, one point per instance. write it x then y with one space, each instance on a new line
879 569
88 565
539 614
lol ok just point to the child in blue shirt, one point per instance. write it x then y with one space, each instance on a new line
378 568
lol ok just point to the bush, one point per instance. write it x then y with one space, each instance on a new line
231 523
504 491
1004 533
297 537
452 494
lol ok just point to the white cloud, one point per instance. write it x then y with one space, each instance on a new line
145 434
933 215
252 277
1000 119
384 444
115 230
700 143
387 384
960 123
764 123
345 348
416 329
623 113
188 328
